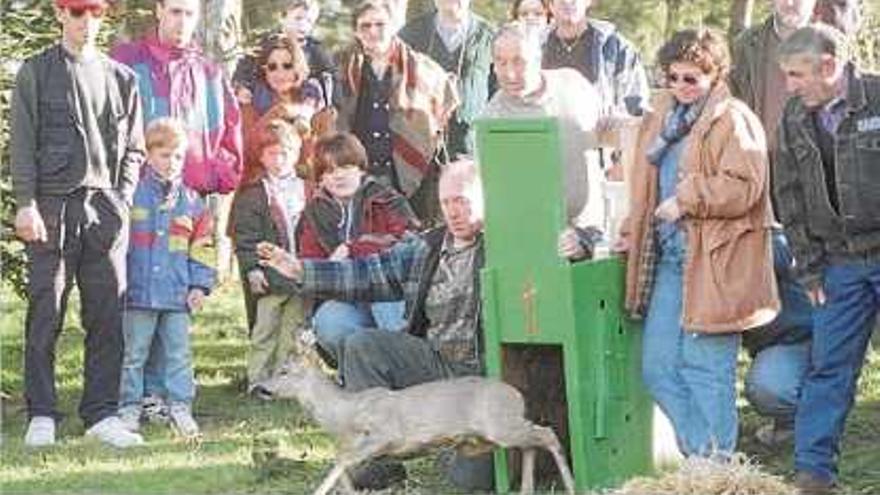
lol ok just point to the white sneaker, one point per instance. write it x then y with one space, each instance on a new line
40 432
130 417
111 431
182 420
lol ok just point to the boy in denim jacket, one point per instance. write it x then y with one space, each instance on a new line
169 274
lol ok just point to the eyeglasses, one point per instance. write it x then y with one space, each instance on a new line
366 26
688 79
96 11
272 66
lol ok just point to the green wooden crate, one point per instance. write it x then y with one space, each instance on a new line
574 311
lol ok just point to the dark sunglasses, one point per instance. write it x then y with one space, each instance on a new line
272 66
688 79
366 26
78 12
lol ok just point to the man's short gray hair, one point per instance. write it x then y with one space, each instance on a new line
519 30
814 41
463 173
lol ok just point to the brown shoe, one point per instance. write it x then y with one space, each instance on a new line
808 483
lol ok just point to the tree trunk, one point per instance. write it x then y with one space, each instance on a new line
673 14
138 18
740 16
221 31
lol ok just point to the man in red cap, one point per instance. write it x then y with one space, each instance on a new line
76 147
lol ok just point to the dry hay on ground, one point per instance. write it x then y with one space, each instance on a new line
704 476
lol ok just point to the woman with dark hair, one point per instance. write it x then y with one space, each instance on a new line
397 102
282 92
351 214
698 239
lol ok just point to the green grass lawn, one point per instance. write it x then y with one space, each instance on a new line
254 447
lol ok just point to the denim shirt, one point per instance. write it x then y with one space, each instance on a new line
670 236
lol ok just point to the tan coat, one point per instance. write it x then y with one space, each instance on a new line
723 192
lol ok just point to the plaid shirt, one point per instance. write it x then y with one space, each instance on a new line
409 270
390 275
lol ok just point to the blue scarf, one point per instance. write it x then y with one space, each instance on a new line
677 125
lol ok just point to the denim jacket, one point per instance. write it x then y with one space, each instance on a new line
817 232
171 249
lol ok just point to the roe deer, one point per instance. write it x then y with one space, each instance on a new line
474 413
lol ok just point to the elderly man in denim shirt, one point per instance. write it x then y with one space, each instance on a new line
827 189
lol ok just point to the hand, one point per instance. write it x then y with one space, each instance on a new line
568 246
610 123
816 295
257 281
614 173
275 257
29 225
195 298
244 95
324 122
608 129
622 244
668 210
340 253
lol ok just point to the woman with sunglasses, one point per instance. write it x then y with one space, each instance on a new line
698 241
283 91
397 102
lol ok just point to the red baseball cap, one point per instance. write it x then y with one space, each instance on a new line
81 4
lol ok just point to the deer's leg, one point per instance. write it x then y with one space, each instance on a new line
331 479
527 477
551 443
347 484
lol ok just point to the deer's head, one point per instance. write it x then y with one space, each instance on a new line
293 378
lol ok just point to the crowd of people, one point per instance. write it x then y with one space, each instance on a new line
348 188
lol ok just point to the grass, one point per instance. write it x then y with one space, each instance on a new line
254 447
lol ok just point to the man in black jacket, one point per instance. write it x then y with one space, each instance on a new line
827 191
76 146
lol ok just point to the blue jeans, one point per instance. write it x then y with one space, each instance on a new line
691 376
336 320
773 382
140 327
842 330
797 312
154 383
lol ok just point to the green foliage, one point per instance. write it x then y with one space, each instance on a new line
25 32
